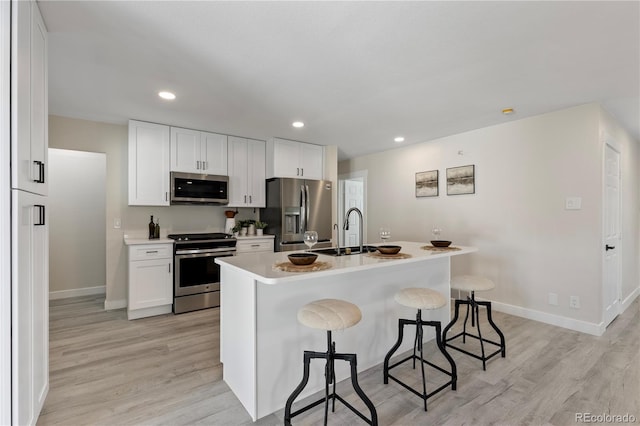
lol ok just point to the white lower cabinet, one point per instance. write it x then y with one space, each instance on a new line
150 280
30 302
254 245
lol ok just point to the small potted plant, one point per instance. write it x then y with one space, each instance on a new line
236 229
260 227
244 227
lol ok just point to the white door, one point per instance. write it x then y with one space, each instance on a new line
353 197
612 249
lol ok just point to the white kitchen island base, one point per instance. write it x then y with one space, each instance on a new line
262 343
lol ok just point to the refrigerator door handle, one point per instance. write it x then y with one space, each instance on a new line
303 209
307 207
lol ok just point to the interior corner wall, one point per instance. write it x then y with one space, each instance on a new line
112 139
524 171
630 196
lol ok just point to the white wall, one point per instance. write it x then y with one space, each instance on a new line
77 242
529 244
111 139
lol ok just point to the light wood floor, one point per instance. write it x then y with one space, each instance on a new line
165 370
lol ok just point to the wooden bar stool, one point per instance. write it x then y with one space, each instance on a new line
329 315
420 298
471 283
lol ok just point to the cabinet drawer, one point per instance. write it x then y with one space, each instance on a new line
150 251
254 246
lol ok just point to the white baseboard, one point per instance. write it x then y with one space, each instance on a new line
629 300
557 320
74 292
110 305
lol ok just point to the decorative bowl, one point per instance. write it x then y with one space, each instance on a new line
230 214
440 243
389 249
302 259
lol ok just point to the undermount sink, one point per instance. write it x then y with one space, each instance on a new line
333 251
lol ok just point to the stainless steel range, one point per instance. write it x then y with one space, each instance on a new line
196 279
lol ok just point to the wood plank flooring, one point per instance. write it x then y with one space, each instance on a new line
165 370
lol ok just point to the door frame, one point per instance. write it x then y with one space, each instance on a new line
608 141
5 217
361 174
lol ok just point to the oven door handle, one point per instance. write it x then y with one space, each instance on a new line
209 252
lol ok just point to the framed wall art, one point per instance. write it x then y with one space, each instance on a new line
427 184
461 180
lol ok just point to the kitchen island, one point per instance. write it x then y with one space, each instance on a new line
262 343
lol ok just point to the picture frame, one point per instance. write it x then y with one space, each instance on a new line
461 180
427 184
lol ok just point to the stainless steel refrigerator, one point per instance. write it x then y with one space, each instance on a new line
295 206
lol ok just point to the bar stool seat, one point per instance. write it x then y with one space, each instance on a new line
329 315
420 298
473 283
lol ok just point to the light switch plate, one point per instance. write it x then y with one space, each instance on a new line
117 223
573 203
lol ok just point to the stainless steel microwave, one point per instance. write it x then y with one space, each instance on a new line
192 188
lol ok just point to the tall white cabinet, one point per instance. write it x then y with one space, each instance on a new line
149 154
29 216
246 165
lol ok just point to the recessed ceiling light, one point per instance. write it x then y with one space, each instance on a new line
297 124
399 139
508 111
167 95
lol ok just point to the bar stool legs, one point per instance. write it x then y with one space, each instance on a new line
474 306
418 348
330 356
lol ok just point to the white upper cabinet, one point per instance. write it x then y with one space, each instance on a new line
291 159
149 153
193 151
246 172
29 99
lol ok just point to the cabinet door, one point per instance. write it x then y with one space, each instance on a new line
286 158
29 99
150 283
148 164
238 171
185 151
213 153
256 158
311 161
30 302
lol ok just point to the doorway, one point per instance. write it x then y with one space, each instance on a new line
612 247
352 193
77 231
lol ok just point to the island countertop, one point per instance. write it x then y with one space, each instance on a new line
261 265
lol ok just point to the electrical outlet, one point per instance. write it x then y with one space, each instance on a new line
117 223
573 203
553 299
574 302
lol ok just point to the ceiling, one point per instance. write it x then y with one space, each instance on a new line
357 74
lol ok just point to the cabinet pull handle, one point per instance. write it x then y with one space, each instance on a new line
41 212
40 165
245 199
255 245
169 268
151 251
297 171
250 201
198 165
166 196
302 171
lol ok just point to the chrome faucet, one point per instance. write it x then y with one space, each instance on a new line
346 222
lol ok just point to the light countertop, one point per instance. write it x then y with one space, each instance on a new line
253 237
132 241
260 265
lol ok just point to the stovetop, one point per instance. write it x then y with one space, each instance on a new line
201 237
